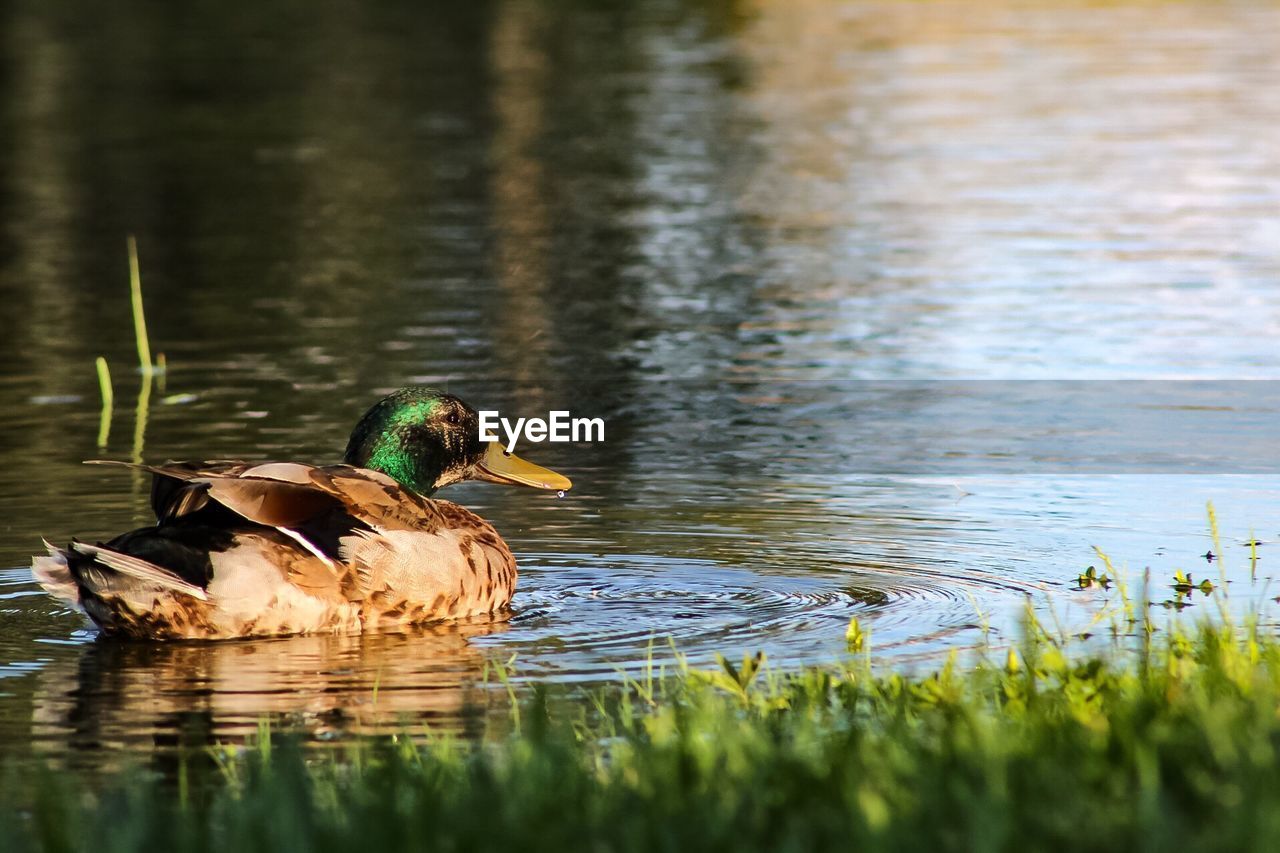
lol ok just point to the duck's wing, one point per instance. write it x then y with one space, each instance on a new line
374 539
270 493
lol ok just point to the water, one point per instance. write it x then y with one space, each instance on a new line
801 257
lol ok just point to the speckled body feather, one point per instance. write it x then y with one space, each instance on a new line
243 550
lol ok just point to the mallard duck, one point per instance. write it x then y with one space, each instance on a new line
244 549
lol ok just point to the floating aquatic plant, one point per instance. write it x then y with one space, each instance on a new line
1090 577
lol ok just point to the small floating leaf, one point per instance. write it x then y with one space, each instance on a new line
1090 577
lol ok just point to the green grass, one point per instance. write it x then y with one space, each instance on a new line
151 372
135 303
108 400
1171 746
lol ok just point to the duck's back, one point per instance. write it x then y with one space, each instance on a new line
243 549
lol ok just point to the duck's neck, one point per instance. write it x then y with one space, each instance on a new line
391 454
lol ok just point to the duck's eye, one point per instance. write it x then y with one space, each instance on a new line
451 418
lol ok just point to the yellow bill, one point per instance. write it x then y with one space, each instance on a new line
498 466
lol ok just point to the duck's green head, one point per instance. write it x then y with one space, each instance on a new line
426 440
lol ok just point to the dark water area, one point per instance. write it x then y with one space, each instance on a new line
892 310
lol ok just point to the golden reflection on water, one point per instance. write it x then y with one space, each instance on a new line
521 219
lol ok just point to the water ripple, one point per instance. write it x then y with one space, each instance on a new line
581 620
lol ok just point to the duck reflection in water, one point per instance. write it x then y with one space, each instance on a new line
130 695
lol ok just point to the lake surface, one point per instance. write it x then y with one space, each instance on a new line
893 311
